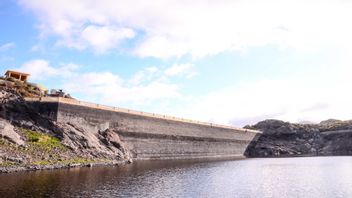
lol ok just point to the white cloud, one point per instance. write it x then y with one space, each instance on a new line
178 69
184 70
7 46
151 69
313 99
143 75
148 86
104 38
41 69
249 103
108 88
175 28
39 47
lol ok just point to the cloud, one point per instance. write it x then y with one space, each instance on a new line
250 102
143 75
244 103
109 88
148 74
40 69
170 28
7 46
146 87
39 47
103 38
178 69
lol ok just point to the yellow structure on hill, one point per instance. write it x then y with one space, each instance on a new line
17 75
20 81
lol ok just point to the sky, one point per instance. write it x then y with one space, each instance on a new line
231 62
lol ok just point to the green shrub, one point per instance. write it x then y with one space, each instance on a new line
43 141
42 162
7 164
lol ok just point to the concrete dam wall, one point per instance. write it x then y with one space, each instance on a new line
152 136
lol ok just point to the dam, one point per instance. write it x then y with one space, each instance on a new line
151 136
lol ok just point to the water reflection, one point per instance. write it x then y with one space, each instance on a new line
284 177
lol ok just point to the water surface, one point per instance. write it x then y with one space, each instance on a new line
283 177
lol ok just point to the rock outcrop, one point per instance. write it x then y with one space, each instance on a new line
7 131
36 140
330 137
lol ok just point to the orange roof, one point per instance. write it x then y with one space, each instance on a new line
16 72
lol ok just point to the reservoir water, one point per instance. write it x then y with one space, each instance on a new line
280 177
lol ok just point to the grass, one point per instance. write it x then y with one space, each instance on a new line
65 162
43 162
2 141
7 164
43 141
43 149
81 161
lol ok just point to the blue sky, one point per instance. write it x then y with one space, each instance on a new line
229 62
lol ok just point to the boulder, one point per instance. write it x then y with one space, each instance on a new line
7 131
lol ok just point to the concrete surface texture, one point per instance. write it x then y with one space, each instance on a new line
151 136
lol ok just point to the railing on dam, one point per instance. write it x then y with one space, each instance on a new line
124 110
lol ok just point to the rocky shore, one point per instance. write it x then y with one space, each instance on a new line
16 168
29 141
284 139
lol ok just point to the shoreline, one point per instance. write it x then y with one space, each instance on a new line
31 168
118 163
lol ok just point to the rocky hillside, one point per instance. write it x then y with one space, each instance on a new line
330 137
23 88
30 141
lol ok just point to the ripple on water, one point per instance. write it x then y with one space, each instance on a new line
280 177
